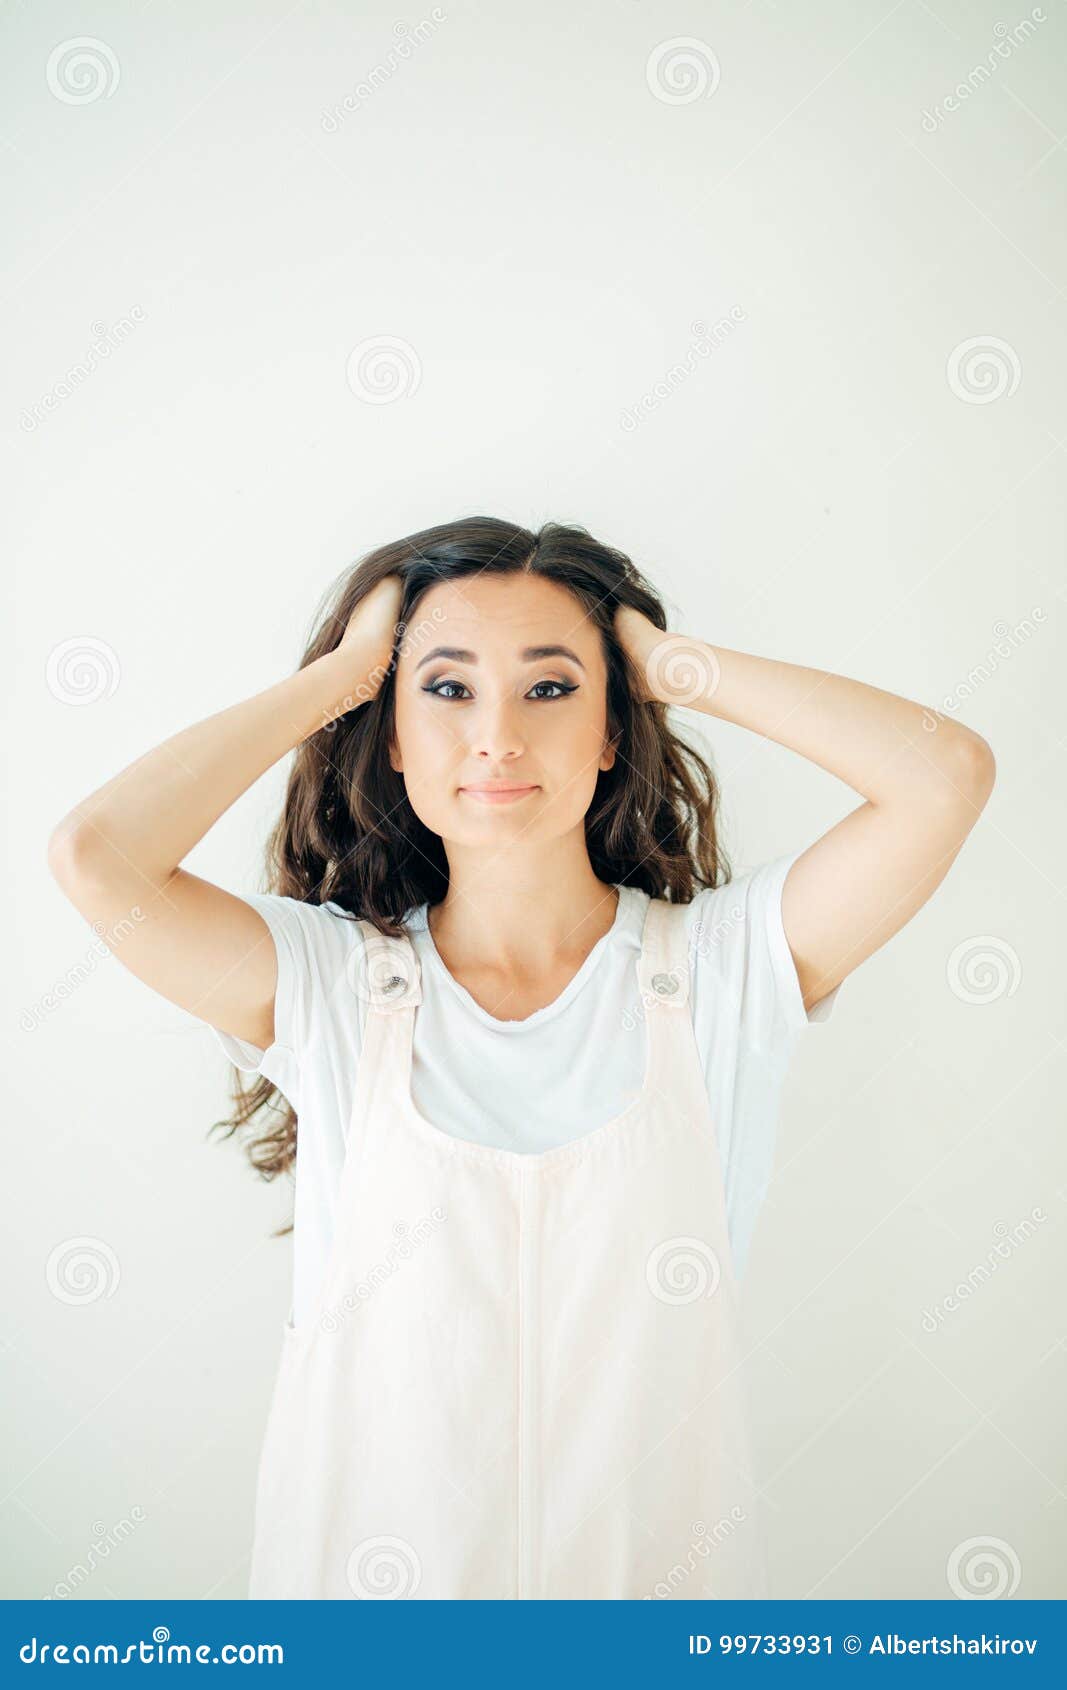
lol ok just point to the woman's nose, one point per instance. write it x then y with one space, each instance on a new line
495 728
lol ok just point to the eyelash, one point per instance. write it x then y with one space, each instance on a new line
435 689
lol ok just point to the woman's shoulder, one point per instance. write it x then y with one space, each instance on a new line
738 943
726 927
320 933
743 899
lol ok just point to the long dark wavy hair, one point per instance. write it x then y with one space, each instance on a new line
347 833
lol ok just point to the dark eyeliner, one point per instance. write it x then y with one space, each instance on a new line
434 688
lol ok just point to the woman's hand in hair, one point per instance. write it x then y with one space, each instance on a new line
638 637
371 636
117 855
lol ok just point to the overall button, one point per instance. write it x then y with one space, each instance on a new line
395 983
664 984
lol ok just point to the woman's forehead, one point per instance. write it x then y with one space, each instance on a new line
505 613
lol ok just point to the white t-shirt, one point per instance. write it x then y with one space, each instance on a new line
471 1073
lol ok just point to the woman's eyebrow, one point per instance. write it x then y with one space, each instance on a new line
528 654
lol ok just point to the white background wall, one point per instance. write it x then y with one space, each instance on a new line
839 483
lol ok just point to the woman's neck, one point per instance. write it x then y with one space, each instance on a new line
510 940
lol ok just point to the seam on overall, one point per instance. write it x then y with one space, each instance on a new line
525 1370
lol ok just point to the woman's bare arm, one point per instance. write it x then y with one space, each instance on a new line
925 779
117 853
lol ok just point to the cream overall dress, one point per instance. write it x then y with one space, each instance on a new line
522 1377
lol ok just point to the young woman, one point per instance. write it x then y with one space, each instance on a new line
534 1037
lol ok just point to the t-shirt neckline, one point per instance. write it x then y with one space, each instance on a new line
549 1010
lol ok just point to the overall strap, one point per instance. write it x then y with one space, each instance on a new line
384 977
663 966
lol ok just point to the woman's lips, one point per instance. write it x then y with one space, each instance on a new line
497 795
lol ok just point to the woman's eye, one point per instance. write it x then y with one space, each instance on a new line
562 688
439 689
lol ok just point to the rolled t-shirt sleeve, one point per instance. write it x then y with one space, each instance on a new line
312 943
748 1011
772 960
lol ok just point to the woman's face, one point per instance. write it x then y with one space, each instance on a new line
500 680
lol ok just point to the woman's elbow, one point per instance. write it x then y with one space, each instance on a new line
74 853
976 768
